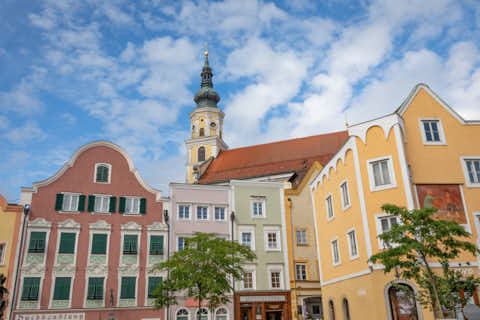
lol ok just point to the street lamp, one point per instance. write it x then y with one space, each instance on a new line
166 219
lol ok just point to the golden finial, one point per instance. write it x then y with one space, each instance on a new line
206 49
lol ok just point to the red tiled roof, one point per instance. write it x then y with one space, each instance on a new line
293 155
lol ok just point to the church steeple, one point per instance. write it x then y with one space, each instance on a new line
206 123
206 96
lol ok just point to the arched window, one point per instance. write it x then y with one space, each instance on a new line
202 132
402 302
346 309
331 310
221 314
201 154
202 314
182 314
102 173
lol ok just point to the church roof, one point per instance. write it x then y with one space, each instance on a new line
294 156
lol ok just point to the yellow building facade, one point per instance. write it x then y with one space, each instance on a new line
10 223
422 155
302 249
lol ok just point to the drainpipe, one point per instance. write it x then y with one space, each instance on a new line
166 219
293 254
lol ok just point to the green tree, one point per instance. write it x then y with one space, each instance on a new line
203 270
3 294
420 239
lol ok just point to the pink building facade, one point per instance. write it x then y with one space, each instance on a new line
94 232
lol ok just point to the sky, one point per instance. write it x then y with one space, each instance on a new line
72 72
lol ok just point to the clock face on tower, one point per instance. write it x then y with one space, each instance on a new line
213 124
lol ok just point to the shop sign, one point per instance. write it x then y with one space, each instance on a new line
51 316
261 298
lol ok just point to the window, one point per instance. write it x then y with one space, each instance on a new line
202 213
346 309
432 132
31 287
301 237
258 209
130 244
201 151
153 283
219 213
335 252
331 310
62 288
183 212
272 240
247 239
275 279
329 206
3 247
37 242
132 205
248 280
300 271
352 244
202 314
102 203
380 173
221 314
127 290
181 243
384 224
182 314
156 245
102 173
67 243
201 132
70 202
99 243
95 289
471 168
345 195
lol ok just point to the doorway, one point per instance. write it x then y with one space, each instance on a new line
274 315
245 314
403 305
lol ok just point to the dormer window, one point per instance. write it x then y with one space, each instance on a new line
102 172
432 132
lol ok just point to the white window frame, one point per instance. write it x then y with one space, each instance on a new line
218 308
378 225
56 275
47 236
224 210
357 255
196 212
189 212
463 160
109 172
305 265
264 207
182 308
40 287
342 195
476 220
132 198
197 309
441 133
139 245
4 252
247 229
122 275
329 196
157 233
391 172
70 194
306 237
90 242
103 196
335 240
61 230
184 236
87 277
275 268
249 268
276 230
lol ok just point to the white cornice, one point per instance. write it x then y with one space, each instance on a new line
68 224
131 225
100 225
157 226
386 123
84 148
187 186
39 223
207 110
206 140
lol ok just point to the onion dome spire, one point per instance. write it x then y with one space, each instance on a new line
206 96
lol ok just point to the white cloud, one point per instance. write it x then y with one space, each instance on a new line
28 132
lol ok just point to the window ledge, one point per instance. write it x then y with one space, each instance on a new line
133 214
337 264
433 143
69 212
303 245
354 257
383 187
330 218
273 250
346 207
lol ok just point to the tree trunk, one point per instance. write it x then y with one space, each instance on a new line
436 305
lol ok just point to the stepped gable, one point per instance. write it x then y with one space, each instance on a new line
295 155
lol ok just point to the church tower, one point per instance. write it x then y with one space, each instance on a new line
206 124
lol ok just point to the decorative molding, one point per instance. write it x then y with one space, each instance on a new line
39 223
33 269
69 224
350 276
100 225
386 123
67 269
157 226
128 269
131 226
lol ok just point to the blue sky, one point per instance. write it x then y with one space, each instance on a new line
126 71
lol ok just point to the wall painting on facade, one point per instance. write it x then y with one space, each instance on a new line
444 197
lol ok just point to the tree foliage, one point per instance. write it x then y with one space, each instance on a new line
3 294
421 239
202 270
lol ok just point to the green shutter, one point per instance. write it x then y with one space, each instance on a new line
59 202
81 203
143 206
99 243
30 289
121 205
156 245
91 204
62 288
37 241
113 205
130 244
153 283
95 289
128 288
67 243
